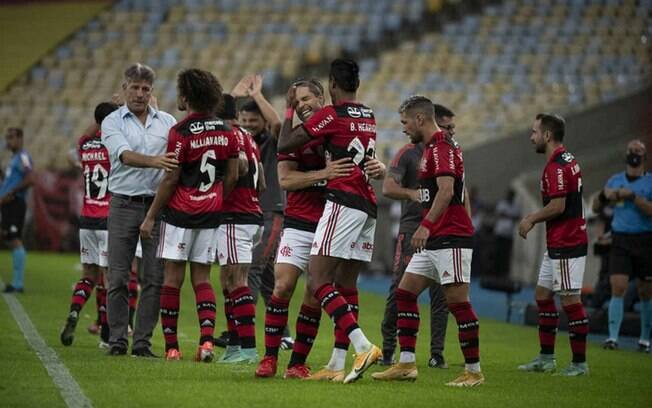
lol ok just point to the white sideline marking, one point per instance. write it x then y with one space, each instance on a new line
72 394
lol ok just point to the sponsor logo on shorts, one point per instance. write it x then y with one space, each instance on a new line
446 274
315 244
220 255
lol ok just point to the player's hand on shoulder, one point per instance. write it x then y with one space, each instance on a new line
339 168
166 162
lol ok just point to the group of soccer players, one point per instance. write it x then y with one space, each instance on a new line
208 200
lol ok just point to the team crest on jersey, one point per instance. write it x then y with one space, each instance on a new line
567 157
196 128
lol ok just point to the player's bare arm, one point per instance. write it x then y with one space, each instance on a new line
243 164
467 202
292 140
552 210
163 195
231 176
165 161
442 199
392 189
268 111
292 179
262 184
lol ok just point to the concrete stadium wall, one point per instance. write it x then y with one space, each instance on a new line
493 166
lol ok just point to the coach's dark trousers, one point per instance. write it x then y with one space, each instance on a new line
125 217
438 306
261 273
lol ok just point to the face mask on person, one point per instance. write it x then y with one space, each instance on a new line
634 159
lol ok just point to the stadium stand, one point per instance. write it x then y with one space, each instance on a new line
493 68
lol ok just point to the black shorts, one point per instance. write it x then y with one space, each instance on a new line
631 254
13 219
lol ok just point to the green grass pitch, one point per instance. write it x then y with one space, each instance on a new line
618 378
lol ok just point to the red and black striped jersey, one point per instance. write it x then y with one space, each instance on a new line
202 144
96 166
348 129
305 207
443 157
242 206
566 234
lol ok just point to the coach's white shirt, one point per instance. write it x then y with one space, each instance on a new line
122 130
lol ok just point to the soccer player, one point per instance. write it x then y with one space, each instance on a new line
344 238
404 185
207 151
562 268
13 192
93 237
240 227
630 193
442 243
303 174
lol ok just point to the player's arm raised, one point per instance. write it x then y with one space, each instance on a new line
553 209
163 195
268 111
445 185
290 139
292 179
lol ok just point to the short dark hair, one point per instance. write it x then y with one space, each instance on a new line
201 89
441 111
345 74
313 84
103 109
554 124
252 107
140 72
417 103
17 130
228 111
